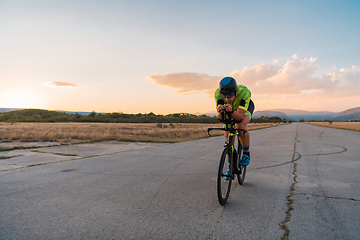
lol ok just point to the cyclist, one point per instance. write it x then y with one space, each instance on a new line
235 101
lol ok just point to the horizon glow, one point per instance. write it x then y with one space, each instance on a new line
168 57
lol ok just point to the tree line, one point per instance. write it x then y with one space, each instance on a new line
40 115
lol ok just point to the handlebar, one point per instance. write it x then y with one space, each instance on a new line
226 117
228 120
231 129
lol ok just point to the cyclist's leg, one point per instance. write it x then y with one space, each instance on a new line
226 135
245 141
244 138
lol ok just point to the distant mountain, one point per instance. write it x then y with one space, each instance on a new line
9 109
270 113
303 112
347 115
290 114
81 113
297 115
210 114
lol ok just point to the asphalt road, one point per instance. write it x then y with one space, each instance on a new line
302 181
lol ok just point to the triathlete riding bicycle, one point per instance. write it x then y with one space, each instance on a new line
235 101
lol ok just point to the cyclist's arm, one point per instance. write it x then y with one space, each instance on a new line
220 111
243 104
220 108
238 114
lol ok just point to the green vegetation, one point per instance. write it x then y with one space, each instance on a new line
39 115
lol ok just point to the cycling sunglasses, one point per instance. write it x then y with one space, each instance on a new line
229 95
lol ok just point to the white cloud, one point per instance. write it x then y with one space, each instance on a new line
347 81
293 77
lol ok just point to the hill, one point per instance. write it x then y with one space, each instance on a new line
40 115
4 110
347 115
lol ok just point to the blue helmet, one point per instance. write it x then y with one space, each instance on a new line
228 85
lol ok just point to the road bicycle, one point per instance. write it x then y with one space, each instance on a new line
224 179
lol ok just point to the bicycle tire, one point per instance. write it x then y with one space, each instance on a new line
241 169
223 186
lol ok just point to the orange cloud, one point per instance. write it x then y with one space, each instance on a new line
297 77
188 83
60 84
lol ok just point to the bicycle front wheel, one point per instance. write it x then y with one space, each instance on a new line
224 180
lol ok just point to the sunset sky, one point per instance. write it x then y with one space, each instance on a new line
168 56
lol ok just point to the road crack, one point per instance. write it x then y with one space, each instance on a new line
61 154
289 198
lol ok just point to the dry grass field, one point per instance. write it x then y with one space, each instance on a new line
354 126
67 133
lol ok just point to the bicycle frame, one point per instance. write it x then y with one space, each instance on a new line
225 179
230 144
231 147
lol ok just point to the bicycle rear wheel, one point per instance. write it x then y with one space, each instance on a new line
223 185
241 169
